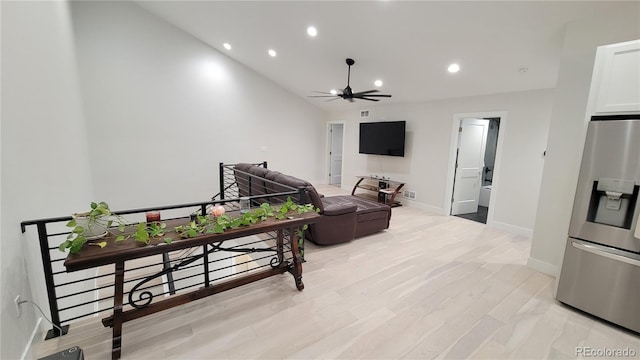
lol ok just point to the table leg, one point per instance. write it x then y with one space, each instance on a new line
117 310
280 246
353 192
296 267
395 192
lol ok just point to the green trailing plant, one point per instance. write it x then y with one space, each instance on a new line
145 232
101 217
208 225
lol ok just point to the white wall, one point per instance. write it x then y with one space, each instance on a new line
568 128
163 109
155 111
3 299
45 169
425 165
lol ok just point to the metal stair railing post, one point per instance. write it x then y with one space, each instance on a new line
51 287
221 181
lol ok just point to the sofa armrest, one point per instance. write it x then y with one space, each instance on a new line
339 208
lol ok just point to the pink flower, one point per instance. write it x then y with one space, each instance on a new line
217 210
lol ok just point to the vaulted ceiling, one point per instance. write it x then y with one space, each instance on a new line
407 45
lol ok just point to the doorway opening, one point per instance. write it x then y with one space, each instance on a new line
474 168
336 139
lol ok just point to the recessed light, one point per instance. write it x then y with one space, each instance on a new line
333 92
454 68
312 31
227 46
272 53
377 83
523 70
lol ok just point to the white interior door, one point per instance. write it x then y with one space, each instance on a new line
335 154
472 140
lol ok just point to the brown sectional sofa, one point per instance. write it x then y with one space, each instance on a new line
344 217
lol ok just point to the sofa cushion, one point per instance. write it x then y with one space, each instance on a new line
277 180
240 171
258 171
271 174
333 206
243 167
374 215
276 176
315 198
364 205
367 210
285 179
258 186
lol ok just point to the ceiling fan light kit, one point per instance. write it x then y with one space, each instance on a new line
347 92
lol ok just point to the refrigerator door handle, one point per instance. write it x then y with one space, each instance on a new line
598 250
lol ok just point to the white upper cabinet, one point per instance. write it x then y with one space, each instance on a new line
617 78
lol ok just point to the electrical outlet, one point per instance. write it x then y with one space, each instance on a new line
409 194
17 302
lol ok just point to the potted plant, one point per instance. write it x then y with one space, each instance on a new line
93 223
90 225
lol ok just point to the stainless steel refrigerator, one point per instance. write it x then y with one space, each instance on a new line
601 267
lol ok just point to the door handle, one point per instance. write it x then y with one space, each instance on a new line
599 250
637 233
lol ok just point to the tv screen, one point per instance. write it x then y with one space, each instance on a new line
382 138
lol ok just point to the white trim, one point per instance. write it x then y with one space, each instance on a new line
27 349
452 158
543 267
423 206
517 230
322 182
327 146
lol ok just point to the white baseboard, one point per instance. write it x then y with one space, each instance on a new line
320 182
27 349
543 267
422 206
528 233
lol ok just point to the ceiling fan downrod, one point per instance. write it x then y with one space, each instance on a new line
347 90
349 63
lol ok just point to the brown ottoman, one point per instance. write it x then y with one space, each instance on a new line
371 217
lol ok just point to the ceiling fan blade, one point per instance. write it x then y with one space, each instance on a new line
378 95
323 96
326 93
364 98
365 92
336 98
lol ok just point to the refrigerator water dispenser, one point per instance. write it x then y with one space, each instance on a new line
612 202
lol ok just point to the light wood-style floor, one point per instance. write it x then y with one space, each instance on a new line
430 286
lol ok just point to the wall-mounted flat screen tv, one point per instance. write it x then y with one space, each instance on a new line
382 138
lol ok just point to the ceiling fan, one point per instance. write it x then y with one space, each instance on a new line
348 94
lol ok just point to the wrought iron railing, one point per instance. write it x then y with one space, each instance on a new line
72 297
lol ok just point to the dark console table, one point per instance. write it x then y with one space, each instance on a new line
118 253
382 190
